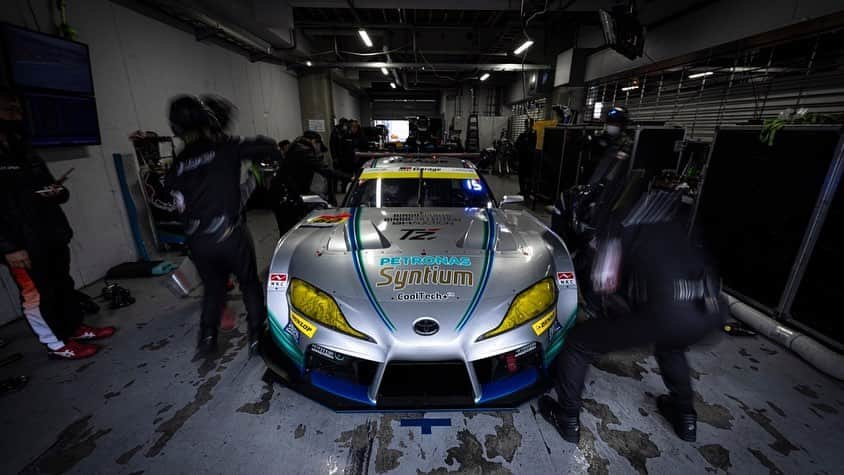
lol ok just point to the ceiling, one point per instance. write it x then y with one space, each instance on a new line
425 44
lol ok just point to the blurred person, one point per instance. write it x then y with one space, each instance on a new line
526 152
284 146
34 243
205 180
354 141
303 161
659 290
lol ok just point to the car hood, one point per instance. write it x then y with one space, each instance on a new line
388 268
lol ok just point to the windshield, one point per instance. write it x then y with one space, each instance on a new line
399 192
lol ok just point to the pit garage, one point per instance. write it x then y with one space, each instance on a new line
425 204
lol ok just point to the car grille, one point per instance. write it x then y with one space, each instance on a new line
428 384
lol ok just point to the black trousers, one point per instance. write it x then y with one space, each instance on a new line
59 303
287 214
670 328
215 262
526 173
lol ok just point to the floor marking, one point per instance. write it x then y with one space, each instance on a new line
426 424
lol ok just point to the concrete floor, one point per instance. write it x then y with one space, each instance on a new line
145 404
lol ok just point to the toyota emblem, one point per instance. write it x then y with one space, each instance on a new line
426 326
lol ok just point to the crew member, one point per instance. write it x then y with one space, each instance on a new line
301 163
658 289
526 150
34 238
204 178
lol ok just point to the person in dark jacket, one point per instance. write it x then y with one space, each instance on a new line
34 238
526 151
302 162
354 141
205 178
659 290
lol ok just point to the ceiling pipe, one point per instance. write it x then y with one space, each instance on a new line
206 26
505 67
390 61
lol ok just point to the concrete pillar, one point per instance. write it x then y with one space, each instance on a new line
316 103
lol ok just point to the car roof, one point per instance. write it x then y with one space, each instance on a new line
398 163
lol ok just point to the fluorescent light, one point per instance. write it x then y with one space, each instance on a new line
629 88
484 76
393 85
385 72
308 63
700 75
365 37
521 49
533 78
596 113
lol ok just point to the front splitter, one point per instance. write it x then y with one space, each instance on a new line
282 370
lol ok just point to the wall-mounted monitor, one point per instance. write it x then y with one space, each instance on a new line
52 76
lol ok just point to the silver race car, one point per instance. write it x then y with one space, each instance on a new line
419 293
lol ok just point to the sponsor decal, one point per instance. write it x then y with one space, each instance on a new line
415 172
461 261
417 218
304 326
330 219
544 323
526 349
428 275
421 296
556 328
322 351
415 234
278 282
293 332
566 279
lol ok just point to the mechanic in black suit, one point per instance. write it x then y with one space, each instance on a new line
657 288
205 179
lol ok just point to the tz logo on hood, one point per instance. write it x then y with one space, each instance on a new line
416 234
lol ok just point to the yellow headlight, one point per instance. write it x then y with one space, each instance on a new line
320 307
533 302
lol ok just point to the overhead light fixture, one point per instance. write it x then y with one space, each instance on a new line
385 72
700 75
629 88
393 85
365 37
308 63
484 76
533 78
524 46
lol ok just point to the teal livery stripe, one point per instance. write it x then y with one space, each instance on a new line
353 228
486 270
285 341
556 344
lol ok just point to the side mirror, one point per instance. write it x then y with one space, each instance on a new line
510 199
315 201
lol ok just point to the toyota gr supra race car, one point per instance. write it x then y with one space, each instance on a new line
419 293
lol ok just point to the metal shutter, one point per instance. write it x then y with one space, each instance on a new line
746 85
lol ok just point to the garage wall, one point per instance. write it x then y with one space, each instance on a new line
138 63
345 104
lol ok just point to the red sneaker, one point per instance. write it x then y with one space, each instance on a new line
228 320
84 332
74 351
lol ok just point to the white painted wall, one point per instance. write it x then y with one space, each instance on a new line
345 104
717 23
138 63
